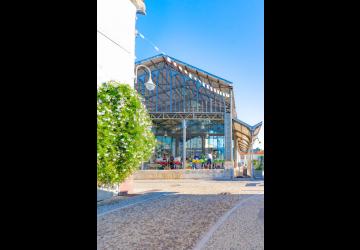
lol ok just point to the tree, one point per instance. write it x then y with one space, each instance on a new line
124 137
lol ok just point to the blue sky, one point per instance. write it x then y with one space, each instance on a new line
225 38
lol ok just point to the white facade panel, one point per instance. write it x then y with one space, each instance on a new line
116 19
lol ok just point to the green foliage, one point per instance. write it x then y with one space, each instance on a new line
262 162
257 165
124 137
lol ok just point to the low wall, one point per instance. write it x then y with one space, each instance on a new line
184 174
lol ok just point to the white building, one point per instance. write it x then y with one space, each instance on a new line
116 39
116 45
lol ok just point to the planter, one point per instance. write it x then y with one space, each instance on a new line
127 186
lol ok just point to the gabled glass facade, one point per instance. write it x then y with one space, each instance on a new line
184 95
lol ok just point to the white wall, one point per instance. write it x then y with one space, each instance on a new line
116 19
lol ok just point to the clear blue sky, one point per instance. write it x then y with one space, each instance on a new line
225 38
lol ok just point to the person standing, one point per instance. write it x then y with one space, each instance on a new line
209 160
172 162
196 159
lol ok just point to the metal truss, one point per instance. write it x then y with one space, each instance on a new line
187 116
176 92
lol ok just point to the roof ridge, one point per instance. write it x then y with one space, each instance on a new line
184 63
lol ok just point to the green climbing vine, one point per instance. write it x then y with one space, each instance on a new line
124 136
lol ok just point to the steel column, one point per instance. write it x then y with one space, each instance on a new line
184 143
157 93
169 73
197 96
183 92
231 127
227 136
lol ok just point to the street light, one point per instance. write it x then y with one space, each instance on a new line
149 84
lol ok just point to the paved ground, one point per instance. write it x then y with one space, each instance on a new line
184 214
189 186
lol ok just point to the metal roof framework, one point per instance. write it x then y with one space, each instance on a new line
178 96
177 92
245 134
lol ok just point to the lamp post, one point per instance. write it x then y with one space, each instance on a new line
150 85
251 157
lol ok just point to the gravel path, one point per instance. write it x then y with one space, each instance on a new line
171 222
126 202
243 229
181 213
